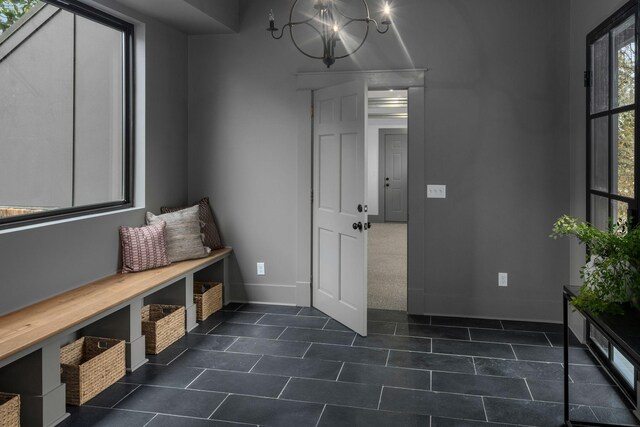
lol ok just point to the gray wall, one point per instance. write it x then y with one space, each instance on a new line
40 261
496 135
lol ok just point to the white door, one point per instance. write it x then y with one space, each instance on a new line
339 217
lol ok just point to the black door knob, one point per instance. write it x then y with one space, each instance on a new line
387 184
357 226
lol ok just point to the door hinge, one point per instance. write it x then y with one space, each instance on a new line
587 79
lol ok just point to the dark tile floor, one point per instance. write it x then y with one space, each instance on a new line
288 366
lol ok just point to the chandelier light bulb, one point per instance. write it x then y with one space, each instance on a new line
387 8
335 28
272 17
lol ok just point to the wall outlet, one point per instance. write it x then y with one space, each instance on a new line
503 279
436 191
260 269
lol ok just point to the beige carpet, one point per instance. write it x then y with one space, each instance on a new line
388 266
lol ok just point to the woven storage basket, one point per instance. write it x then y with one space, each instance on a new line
9 410
162 325
208 298
89 366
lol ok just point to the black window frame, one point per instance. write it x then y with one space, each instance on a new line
127 29
619 17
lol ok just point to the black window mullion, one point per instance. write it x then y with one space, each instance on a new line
632 8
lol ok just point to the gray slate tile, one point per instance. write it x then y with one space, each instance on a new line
341 416
295 321
480 385
579 393
428 331
520 369
529 412
303 368
169 376
473 348
387 376
271 347
216 360
552 354
253 331
434 362
343 353
268 412
318 336
510 337
240 383
394 342
173 401
332 392
431 403
100 417
269 308
176 421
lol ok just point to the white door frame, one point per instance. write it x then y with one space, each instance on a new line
414 80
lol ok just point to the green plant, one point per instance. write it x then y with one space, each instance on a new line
612 272
12 10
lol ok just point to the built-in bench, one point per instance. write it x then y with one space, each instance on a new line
30 338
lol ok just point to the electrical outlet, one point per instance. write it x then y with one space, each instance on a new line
436 191
503 279
260 269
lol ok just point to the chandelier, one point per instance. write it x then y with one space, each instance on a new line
328 21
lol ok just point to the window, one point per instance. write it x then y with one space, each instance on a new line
65 110
612 156
612 159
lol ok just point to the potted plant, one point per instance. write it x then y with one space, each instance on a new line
612 272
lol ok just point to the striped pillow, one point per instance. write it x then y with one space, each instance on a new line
183 234
209 228
143 248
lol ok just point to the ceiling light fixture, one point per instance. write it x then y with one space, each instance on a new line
328 21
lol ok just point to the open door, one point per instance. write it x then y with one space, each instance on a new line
339 211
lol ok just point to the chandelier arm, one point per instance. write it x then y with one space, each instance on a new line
273 32
366 8
357 48
293 40
387 26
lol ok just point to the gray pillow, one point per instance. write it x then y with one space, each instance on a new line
183 234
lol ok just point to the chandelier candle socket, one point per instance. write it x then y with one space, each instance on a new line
329 23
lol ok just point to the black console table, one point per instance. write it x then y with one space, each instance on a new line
623 333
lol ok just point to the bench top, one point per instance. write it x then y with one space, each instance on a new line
28 326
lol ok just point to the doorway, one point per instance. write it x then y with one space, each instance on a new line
387 159
307 84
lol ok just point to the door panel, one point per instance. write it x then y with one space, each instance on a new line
339 250
396 161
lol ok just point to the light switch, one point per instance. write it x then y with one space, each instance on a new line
436 191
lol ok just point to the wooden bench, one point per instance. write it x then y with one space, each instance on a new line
30 338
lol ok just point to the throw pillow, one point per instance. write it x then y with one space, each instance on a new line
212 237
183 234
143 248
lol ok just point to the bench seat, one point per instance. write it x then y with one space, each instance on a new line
30 337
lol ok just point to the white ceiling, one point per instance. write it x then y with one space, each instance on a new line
191 16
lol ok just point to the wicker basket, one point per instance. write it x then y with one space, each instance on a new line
90 365
162 325
208 298
9 410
